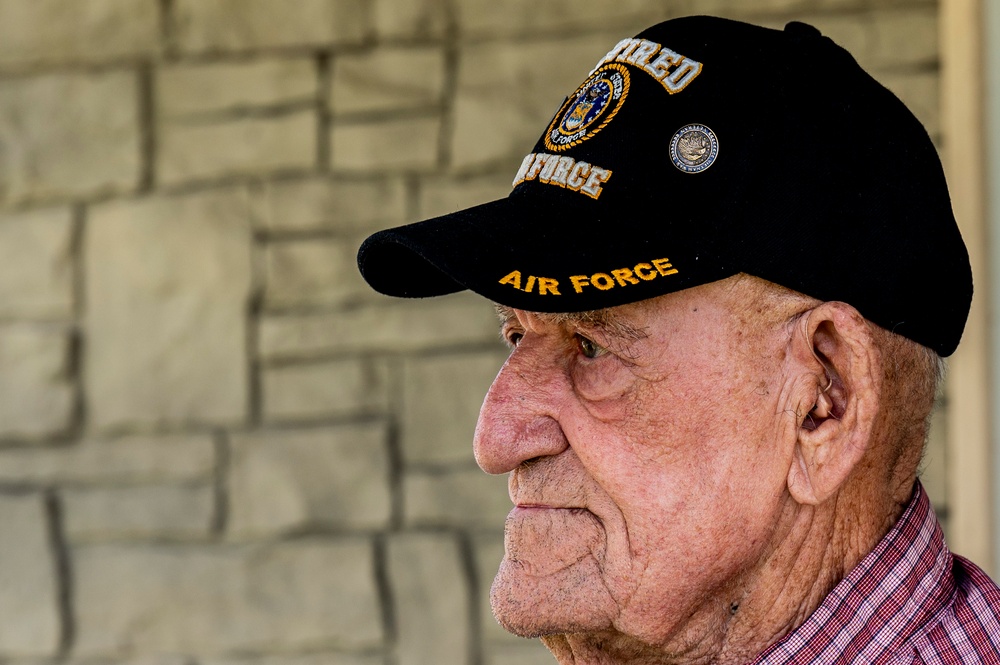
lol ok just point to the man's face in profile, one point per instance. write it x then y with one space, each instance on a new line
643 467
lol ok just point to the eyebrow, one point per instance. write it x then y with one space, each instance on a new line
604 320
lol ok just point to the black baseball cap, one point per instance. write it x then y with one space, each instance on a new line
700 149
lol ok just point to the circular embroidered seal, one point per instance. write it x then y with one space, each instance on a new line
590 108
694 148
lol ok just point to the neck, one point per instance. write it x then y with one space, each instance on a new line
816 547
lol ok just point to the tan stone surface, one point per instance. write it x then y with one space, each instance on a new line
487 550
934 463
243 25
37 394
350 206
138 458
906 37
441 400
167 287
431 598
531 652
461 497
481 18
388 79
441 196
185 89
508 91
331 477
410 19
49 31
29 614
313 272
36 264
353 386
240 146
54 149
397 325
327 658
300 595
142 512
395 145
919 91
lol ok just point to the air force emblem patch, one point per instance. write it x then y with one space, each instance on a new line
590 108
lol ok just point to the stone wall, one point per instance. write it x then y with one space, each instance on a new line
217 446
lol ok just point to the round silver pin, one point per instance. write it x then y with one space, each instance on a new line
694 148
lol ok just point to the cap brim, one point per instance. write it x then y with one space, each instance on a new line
504 249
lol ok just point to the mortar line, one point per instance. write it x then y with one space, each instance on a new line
220 484
147 126
386 599
64 573
324 119
467 556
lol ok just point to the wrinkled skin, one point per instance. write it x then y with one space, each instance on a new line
650 458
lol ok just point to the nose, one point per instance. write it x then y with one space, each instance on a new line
519 418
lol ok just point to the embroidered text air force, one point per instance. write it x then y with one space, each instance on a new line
588 110
603 281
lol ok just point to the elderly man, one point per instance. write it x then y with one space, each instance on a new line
727 272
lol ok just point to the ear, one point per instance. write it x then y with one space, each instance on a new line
835 376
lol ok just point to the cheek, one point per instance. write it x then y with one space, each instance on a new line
602 380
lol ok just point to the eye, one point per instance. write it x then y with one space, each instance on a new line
589 348
513 337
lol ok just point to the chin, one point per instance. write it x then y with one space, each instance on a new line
570 600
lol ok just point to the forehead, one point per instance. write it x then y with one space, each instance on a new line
613 320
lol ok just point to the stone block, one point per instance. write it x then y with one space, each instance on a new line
431 597
131 459
54 31
186 89
328 658
313 272
410 19
526 652
141 512
487 550
854 32
286 480
249 25
403 326
29 611
167 289
463 497
905 37
920 91
349 206
69 135
240 146
393 145
38 393
441 400
488 18
36 264
388 79
295 596
743 10
514 91
338 388
441 196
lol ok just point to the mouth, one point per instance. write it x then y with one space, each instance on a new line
535 508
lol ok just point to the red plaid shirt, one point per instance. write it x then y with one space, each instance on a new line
909 601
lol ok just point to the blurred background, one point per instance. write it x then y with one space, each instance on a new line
217 446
